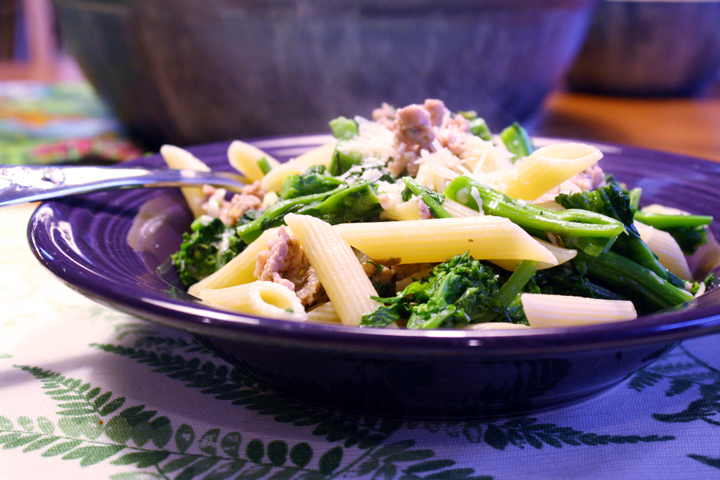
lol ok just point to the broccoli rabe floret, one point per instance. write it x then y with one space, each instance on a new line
344 128
311 182
209 245
457 293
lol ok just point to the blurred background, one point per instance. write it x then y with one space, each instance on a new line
109 80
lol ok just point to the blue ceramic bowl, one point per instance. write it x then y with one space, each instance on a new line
195 71
393 373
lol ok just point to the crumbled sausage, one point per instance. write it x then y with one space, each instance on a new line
230 211
591 178
285 263
385 115
413 127
423 209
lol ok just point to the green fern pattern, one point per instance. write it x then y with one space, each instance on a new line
233 386
96 426
680 372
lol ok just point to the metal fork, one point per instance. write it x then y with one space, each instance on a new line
20 184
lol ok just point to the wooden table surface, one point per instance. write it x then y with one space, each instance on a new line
689 126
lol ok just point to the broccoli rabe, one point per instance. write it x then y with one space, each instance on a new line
346 203
591 232
343 128
308 183
209 245
478 125
648 292
687 230
614 203
430 198
457 293
517 141
566 280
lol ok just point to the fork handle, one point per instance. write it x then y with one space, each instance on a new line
20 184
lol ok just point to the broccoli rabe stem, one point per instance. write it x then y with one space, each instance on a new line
647 290
567 223
688 230
516 282
663 222
345 203
517 141
610 200
429 198
273 216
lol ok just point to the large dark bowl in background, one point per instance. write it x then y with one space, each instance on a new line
650 48
195 71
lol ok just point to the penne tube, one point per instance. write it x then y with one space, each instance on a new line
409 210
180 159
562 255
666 248
244 158
548 167
267 299
240 269
437 240
563 311
337 267
457 209
322 155
273 181
324 313
402 211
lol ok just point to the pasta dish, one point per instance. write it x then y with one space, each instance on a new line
423 218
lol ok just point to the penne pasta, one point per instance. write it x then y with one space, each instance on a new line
564 311
267 299
324 313
409 210
667 249
240 269
402 211
457 209
244 158
180 159
562 255
322 155
437 240
548 167
337 267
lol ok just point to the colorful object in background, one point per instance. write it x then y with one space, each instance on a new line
51 123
